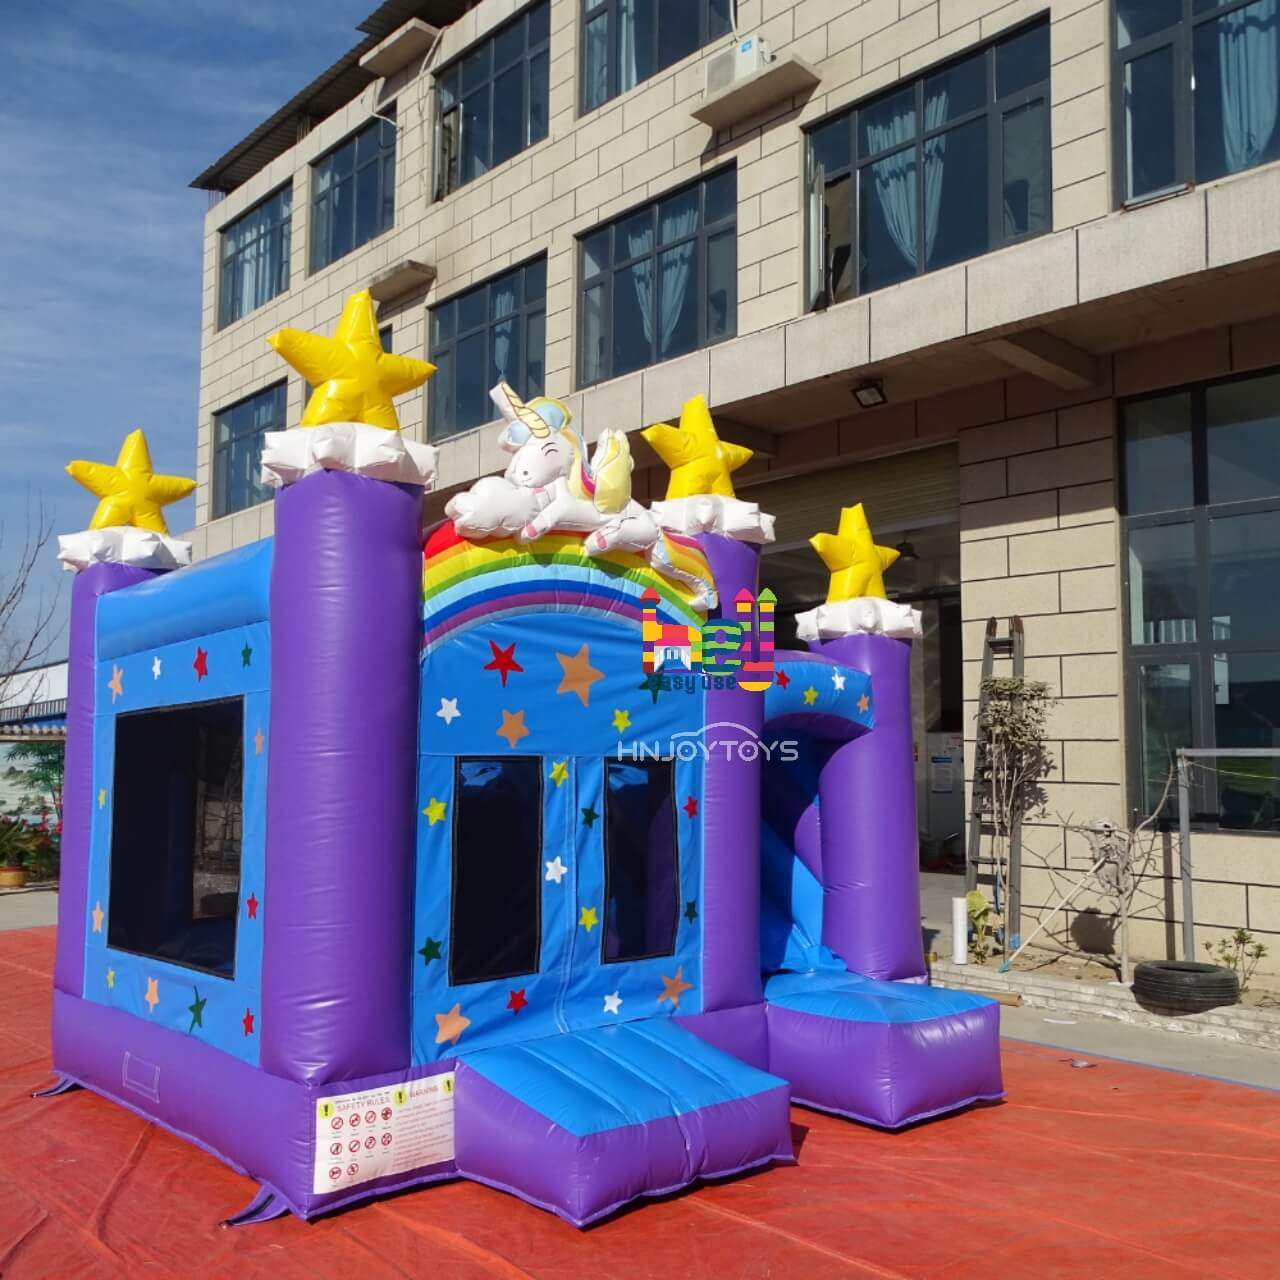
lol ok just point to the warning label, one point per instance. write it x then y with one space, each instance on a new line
361 1136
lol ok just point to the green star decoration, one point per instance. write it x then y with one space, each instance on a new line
196 1010
691 910
429 951
246 655
653 684
589 816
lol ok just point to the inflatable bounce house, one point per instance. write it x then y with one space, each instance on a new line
513 852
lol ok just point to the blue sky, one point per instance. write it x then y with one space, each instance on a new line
108 109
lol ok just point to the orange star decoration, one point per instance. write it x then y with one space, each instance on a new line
98 917
153 994
857 565
449 1026
700 461
579 675
513 728
130 493
354 378
116 683
863 703
674 988
258 740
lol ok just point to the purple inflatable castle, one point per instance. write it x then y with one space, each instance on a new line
497 861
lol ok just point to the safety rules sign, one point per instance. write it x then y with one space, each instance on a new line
361 1136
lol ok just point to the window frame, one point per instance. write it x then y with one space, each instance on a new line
448 347
385 118
283 227
1197 654
1180 36
605 278
994 110
447 159
539 763
589 10
217 497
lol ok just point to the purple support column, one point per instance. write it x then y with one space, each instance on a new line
346 588
870 843
77 791
731 813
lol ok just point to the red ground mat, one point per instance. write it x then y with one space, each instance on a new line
1118 1171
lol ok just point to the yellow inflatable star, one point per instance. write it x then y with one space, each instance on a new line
130 492
857 565
700 461
354 378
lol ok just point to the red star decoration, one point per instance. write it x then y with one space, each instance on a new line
783 679
690 807
504 661
252 904
517 1001
201 664
247 1022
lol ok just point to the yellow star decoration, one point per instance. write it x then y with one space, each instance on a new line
449 1026
258 740
434 812
354 378
673 988
588 919
579 675
700 461
513 728
111 979
622 720
810 696
116 683
857 565
102 799
153 994
98 917
863 703
559 771
130 492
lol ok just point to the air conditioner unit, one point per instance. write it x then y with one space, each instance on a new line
749 55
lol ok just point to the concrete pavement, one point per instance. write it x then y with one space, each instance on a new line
28 908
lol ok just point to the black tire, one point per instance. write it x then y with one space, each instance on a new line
1184 986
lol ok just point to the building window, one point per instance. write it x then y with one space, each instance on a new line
661 281
624 42
497 869
493 101
493 333
237 449
641 868
1201 499
176 825
938 170
254 257
1196 85
353 191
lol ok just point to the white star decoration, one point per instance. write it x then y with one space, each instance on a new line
556 870
837 679
612 1003
448 710
155 667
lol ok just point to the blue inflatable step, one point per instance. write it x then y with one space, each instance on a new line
583 1122
870 1050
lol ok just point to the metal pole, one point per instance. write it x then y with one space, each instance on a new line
1184 858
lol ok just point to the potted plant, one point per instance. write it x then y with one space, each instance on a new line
14 843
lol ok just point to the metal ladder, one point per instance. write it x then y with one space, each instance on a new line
1012 646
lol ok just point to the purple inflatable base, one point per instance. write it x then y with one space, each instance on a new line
919 1117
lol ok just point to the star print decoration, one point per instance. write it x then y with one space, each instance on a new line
247 1022
258 739
153 994
588 919
201 664
674 988
130 493
513 728
504 661
612 1002
111 979
251 906
556 870
621 720
434 812
429 951
690 807
102 798
863 703
691 910
517 1001
589 816
559 772
857 565
116 683
783 679
196 1009
354 379
246 655
451 1025
837 680
579 675
448 710
155 667
98 917
810 696
700 462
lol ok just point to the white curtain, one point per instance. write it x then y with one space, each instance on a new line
895 177
1247 52
504 303
935 149
626 45
642 277
677 269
